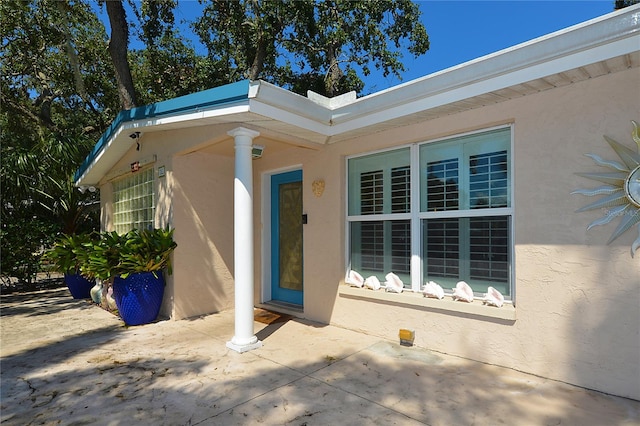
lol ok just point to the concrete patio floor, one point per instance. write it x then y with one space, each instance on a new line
68 362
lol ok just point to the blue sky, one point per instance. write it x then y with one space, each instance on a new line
460 31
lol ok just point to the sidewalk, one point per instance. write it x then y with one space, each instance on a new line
67 362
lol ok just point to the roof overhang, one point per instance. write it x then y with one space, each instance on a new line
604 45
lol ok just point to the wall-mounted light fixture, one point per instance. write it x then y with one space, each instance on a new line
84 188
136 137
256 151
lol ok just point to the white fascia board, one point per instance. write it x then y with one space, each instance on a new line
481 87
111 153
263 93
285 116
87 178
592 41
278 104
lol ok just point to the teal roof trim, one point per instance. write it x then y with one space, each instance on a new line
226 94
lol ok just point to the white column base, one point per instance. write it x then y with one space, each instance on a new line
244 347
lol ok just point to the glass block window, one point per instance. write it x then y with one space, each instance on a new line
460 222
133 201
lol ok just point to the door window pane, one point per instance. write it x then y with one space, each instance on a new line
290 228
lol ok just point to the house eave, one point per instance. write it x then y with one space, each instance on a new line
115 141
604 45
596 41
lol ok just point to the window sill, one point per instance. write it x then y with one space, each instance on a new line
417 301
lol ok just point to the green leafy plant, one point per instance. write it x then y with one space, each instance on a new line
121 255
68 253
101 257
146 251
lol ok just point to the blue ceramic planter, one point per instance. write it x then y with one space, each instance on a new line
139 297
79 286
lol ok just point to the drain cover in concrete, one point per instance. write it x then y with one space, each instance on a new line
403 352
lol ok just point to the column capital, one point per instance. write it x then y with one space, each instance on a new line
243 131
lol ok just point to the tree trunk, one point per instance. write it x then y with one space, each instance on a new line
118 46
334 73
64 9
258 60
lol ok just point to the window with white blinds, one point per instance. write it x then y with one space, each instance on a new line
461 221
489 249
488 180
133 202
371 192
372 246
442 248
401 247
465 211
400 189
380 193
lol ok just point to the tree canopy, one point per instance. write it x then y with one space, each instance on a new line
64 76
54 105
326 46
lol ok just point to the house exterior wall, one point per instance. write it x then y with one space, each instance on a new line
203 218
576 316
196 198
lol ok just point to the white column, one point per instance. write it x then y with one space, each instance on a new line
244 339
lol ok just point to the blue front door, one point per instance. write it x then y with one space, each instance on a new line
286 237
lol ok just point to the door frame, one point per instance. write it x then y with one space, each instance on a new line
265 246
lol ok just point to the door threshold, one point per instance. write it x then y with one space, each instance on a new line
285 307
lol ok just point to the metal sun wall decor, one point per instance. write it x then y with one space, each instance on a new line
622 189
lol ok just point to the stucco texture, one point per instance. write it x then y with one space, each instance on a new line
576 298
576 312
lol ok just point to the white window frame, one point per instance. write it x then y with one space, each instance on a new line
381 217
416 216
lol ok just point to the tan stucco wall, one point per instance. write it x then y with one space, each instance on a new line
203 217
196 198
576 316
